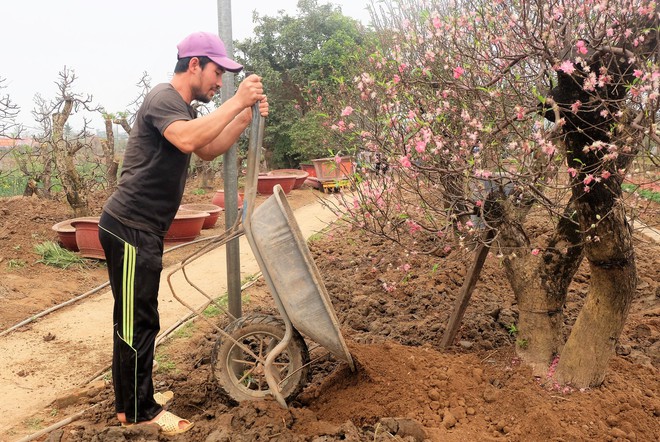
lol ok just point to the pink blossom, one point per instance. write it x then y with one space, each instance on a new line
347 111
567 66
605 174
420 146
337 159
572 171
436 22
581 47
396 79
548 149
588 179
458 72
575 106
638 73
535 252
413 227
405 161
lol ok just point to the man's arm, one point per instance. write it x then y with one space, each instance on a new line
201 134
223 142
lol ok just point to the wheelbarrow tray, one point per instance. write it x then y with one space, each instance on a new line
292 275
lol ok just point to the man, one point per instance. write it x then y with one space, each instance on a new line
136 217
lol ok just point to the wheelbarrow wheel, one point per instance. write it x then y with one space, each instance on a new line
241 374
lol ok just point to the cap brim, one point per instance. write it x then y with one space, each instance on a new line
227 64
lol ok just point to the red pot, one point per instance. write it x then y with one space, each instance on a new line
328 168
87 237
211 209
186 226
309 168
219 199
301 175
266 183
66 235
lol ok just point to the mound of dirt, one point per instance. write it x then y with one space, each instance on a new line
393 309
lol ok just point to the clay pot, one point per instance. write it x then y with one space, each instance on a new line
87 237
219 199
66 235
309 168
328 168
266 183
301 175
211 209
186 226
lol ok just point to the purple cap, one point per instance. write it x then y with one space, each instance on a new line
209 45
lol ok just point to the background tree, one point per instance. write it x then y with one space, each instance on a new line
125 121
8 113
61 150
301 60
489 110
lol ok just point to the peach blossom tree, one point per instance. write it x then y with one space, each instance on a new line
487 111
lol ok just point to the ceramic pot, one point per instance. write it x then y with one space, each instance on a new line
265 183
186 226
211 209
301 175
309 168
219 199
87 237
328 168
66 235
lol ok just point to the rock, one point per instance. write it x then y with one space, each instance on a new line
404 427
490 395
434 395
449 420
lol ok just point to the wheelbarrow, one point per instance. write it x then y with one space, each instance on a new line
259 355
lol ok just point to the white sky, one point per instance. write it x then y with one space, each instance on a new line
109 44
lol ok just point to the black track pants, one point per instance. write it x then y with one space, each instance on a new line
135 261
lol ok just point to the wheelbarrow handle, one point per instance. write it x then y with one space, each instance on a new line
254 147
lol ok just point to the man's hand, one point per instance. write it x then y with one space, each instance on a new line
250 90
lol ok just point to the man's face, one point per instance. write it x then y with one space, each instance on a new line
210 82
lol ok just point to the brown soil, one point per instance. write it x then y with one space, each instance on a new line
405 387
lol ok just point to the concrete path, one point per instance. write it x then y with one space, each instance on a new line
68 347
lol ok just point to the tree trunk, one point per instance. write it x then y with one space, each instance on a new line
111 165
64 159
540 284
611 255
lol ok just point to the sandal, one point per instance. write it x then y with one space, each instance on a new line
169 424
163 398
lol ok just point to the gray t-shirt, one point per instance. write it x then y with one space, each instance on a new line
154 171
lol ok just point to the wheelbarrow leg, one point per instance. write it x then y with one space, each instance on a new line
273 384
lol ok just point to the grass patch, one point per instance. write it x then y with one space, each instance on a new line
185 331
216 307
648 194
315 237
53 255
16 264
165 364
34 423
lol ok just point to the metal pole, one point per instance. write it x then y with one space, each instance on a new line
230 171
